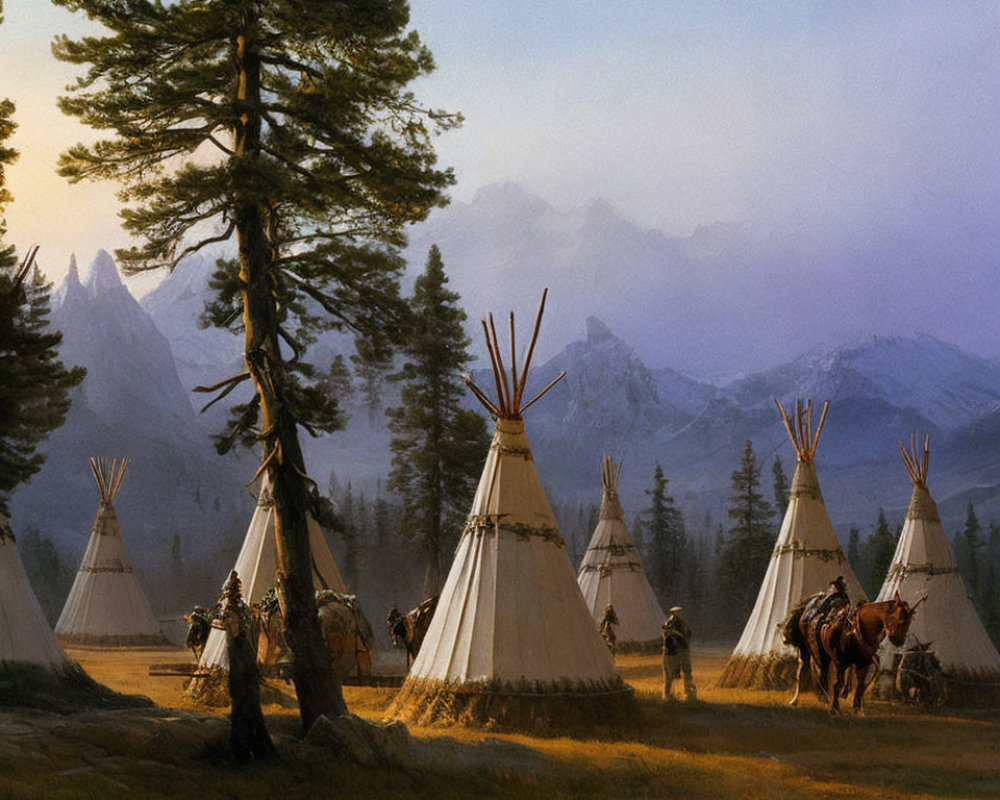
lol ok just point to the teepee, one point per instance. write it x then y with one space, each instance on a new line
25 634
512 638
924 567
806 557
257 566
612 573
107 605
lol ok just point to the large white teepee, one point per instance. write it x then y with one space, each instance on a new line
924 567
612 573
806 558
107 605
25 634
512 638
257 566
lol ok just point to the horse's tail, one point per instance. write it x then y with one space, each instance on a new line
790 630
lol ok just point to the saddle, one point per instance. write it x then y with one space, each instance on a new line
821 615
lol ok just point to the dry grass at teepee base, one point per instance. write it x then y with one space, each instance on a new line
731 744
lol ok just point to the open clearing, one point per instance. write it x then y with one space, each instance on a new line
732 744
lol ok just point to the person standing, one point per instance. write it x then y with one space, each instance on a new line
606 625
676 635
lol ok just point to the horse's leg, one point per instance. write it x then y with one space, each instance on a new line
861 677
804 664
836 682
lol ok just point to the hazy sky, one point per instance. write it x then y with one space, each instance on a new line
868 128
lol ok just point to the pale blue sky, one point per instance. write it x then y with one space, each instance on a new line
843 119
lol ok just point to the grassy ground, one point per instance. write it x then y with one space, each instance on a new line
731 744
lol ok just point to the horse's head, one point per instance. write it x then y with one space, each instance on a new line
397 627
897 620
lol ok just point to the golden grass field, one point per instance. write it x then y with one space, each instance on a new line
731 744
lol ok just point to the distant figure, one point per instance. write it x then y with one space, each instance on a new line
606 625
248 735
676 634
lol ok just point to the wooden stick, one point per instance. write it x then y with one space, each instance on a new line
508 396
927 449
481 396
496 371
531 347
819 428
788 425
906 460
513 361
538 396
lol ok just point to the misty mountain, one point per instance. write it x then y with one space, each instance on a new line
880 391
131 404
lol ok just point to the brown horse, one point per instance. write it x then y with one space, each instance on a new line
851 638
408 630
345 629
801 631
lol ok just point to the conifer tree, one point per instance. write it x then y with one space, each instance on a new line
748 548
436 445
286 130
349 532
372 362
34 384
338 380
781 487
666 542
854 551
974 541
879 550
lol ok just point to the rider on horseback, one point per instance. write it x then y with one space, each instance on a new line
835 596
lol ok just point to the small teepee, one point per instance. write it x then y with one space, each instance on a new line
612 573
257 566
806 558
924 567
107 605
25 634
512 640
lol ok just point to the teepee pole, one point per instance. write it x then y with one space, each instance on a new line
481 396
513 362
531 350
819 428
496 370
541 394
927 447
788 424
508 397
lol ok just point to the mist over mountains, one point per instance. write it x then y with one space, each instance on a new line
634 318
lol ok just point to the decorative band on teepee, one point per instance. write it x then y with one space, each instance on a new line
512 642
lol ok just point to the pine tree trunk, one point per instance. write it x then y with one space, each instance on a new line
318 690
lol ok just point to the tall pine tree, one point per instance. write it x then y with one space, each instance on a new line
748 548
437 446
879 550
34 384
286 129
781 487
666 543
974 541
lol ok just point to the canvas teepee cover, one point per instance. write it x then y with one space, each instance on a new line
25 634
924 567
806 557
256 566
612 572
107 605
512 638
